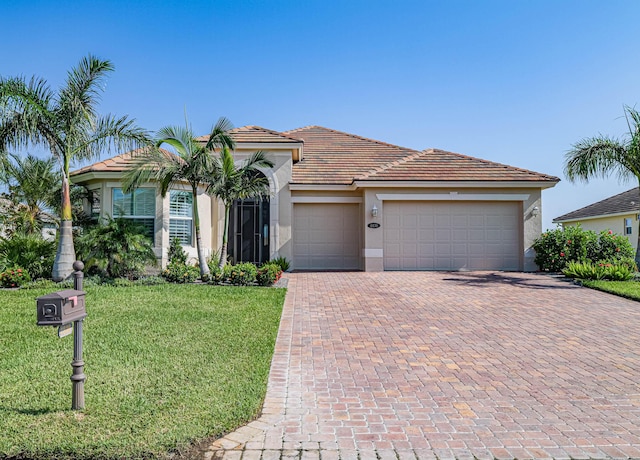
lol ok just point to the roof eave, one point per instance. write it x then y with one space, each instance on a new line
561 220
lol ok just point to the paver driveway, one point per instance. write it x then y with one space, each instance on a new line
448 365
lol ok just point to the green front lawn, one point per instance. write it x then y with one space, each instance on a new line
628 289
166 366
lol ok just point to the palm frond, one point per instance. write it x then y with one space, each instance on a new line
110 134
85 83
219 137
595 157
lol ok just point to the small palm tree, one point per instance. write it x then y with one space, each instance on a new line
67 123
230 182
602 155
31 184
193 163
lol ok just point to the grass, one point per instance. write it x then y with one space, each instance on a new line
166 366
628 289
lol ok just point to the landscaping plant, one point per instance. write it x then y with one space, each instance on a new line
14 277
242 274
282 262
268 274
116 249
180 273
556 248
30 252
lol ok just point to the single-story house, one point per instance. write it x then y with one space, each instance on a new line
339 201
617 213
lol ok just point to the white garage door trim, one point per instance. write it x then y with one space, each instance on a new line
451 196
326 236
445 235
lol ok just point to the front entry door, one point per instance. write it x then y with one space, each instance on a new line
249 231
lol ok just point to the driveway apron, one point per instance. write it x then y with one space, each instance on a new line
413 365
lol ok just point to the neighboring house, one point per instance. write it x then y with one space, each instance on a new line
618 213
343 202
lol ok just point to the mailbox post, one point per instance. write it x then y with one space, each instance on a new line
78 377
61 309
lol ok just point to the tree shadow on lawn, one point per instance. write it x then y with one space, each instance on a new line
24 411
517 279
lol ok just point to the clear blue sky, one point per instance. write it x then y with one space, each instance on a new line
510 81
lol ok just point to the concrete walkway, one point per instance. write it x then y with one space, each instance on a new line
426 365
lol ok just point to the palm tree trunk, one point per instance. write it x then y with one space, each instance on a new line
66 253
225 236
204 267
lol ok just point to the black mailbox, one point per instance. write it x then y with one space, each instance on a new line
61 307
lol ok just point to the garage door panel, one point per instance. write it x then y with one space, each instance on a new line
326 236
452 236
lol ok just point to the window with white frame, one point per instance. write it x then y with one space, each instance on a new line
139 206
181 216
628 229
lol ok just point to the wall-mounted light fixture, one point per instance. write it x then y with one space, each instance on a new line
374 211
535 211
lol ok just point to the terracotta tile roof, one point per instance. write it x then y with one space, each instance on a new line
119 163
334 157
436 165
256 134
628 201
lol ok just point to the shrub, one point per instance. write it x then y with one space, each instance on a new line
282 262
177 254
180 273
150 281
30 252
268 274
242 274
14 277
602 270
117 249
121 282
609 246
556 248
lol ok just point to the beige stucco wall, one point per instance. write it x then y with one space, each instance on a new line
613 223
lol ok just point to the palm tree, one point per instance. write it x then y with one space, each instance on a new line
602 155
230 182
193 163
31 183
67 123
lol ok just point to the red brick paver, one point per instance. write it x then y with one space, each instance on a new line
413 365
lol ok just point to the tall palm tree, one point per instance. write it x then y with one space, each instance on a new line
67 123
31 183
193 163
601 155
230 182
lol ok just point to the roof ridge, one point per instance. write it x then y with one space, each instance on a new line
390 165
489 162
355 136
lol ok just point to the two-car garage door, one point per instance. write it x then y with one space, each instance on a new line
432 235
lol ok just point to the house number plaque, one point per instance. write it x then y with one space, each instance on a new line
374 225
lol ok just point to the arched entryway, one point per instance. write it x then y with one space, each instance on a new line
249 231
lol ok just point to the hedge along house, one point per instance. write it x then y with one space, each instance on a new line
343 202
